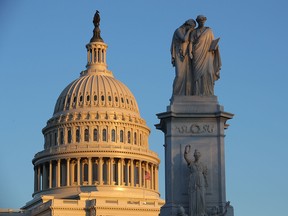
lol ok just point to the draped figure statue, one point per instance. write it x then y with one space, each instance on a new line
197 183
206 61
182 84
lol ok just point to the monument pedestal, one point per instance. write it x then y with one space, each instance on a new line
198 121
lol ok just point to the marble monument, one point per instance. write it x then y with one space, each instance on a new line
193 126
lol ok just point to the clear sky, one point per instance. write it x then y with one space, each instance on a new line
42 49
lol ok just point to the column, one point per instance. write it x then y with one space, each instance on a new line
93 51
152 177
44 177
58 175
105 56
50 174
132 172
68 172
146 171
109 171
156 178
89 171
35 179
128 172
120 171
78 171
140 173
100 171
112 162
38 178
88 56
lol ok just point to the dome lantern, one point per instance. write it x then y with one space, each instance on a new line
96 51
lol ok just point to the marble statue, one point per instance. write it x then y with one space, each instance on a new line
197 183
196 58
206 61
180 58
96 32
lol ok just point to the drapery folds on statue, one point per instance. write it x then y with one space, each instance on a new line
196 57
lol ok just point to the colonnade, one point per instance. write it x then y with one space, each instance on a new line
96 54
96 171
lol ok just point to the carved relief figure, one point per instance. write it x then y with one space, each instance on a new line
180 58
197 183
206 61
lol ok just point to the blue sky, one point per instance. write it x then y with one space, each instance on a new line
42 49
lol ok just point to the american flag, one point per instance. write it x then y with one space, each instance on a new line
147 176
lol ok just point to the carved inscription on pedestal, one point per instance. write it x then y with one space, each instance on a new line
194 128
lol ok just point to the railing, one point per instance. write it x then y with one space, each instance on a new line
95 147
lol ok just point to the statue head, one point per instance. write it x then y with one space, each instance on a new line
201 19
197 154
190 23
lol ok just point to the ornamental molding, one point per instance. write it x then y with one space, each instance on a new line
194 129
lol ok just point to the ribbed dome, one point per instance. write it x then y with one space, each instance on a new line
95 90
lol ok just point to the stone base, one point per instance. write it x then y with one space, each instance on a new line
194 104
199 122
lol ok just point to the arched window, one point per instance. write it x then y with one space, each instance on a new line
86 135
95 135
104 135
113 135
55 139
121 136
135 138
61 137
77 135
129 137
